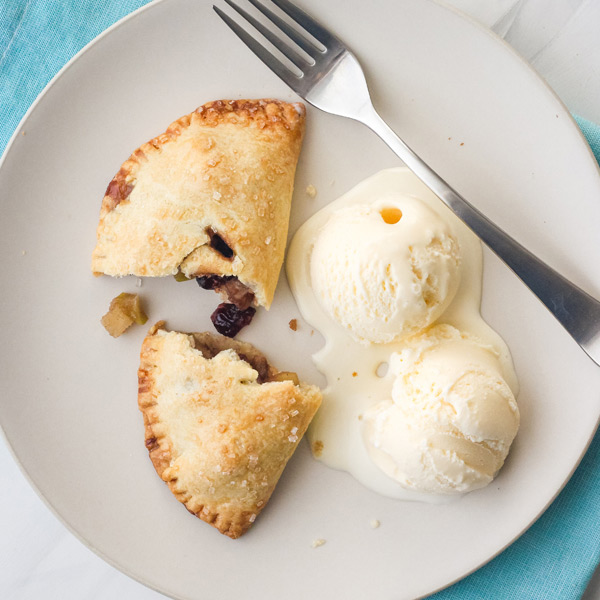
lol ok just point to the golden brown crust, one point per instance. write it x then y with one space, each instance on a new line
227 167
216 436
264 114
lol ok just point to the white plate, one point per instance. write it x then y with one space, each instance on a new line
463 100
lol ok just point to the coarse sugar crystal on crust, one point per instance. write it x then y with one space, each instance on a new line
219 426
225 170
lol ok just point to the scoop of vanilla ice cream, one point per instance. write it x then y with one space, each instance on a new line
385 270
451 420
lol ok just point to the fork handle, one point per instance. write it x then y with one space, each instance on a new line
576 310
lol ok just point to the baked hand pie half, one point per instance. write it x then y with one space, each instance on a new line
209 197
220 422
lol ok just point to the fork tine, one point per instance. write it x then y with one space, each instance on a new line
284 48
305 44
271 61
317 31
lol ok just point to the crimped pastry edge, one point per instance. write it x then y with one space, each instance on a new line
228 522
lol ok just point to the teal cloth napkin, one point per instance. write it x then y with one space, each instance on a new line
555 558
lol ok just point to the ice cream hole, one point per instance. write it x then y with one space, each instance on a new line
391 215
382 369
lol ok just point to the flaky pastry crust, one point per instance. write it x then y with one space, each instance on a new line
216 436
227 168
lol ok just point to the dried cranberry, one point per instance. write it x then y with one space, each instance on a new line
212 282
219 244
235 291
228 319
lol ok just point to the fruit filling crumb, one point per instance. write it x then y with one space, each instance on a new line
124 310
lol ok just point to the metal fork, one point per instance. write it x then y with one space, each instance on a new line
333 81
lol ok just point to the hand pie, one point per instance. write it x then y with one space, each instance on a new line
210 196
221 423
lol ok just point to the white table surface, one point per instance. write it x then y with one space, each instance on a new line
40 558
